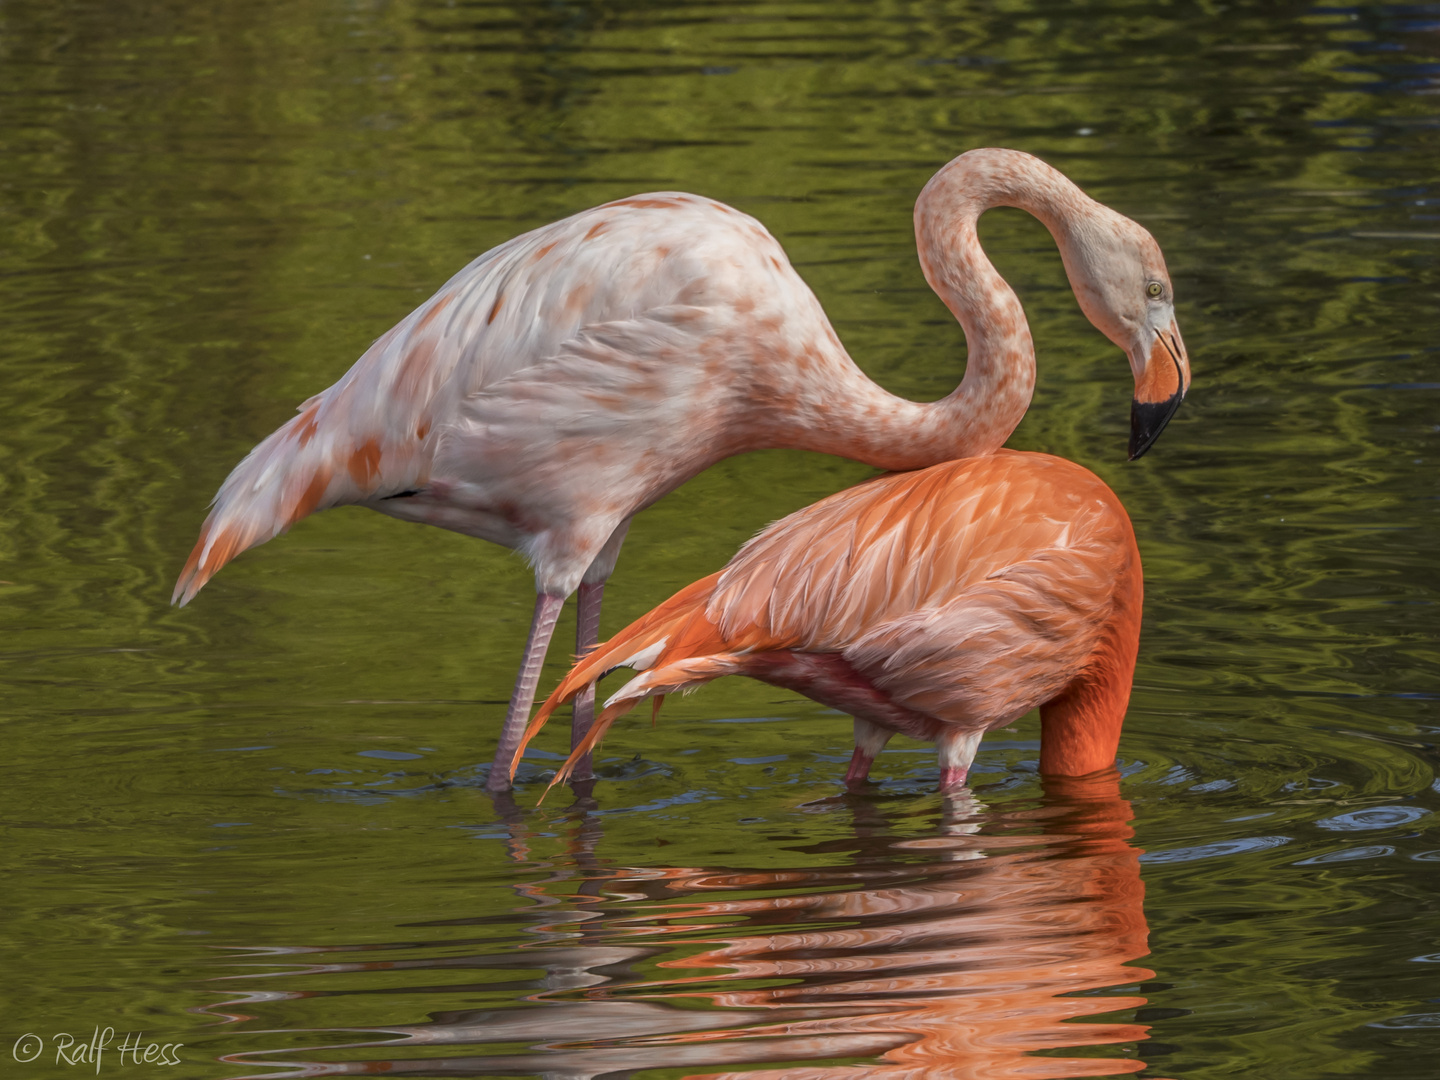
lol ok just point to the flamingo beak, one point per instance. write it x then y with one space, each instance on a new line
1164 376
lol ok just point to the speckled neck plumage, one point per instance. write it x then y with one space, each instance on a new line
864 421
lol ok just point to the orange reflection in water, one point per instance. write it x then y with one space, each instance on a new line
942 955
960 973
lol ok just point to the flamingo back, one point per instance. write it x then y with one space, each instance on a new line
827 576
576 320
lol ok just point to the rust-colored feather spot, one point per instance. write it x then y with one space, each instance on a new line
364 464
596 229
495 309
435 309
306 425
578 297
227 544
414 369
646 204
310 498
422 430
540 253
187 584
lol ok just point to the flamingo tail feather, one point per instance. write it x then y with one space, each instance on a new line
682 675
317 460
677 628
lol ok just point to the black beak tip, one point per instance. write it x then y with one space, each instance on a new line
1148 420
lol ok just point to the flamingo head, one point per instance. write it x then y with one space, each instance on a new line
1120 280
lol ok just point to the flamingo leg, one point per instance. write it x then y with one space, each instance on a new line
587 635
859 770
957 754
870 739
542 627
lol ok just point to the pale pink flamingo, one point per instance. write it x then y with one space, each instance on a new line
570 377
939 603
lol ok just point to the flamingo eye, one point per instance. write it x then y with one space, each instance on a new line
1155 290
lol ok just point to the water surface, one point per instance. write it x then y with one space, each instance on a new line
255 826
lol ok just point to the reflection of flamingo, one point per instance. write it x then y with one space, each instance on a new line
939 603
572 376
961 972
956 952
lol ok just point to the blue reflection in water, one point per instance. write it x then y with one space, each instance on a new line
1374 817
1210 851
1369 851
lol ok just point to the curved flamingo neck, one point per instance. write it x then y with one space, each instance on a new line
863 421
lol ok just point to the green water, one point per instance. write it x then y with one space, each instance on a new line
255 826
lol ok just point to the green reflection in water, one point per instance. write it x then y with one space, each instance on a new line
207 211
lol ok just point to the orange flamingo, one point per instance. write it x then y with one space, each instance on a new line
570 377
939 603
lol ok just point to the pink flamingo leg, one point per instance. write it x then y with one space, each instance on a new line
870 739
587 635
859 770
957 753
542 626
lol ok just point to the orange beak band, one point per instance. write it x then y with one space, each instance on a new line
1158 392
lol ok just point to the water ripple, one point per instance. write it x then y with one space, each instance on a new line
960 951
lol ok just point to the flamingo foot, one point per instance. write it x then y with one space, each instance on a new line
952 778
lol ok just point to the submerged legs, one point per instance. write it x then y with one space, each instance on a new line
956 749
870 739
542 626
587 635
957 753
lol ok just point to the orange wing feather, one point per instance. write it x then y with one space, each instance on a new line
676 630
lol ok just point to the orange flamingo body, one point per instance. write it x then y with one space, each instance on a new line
572 376
938 603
